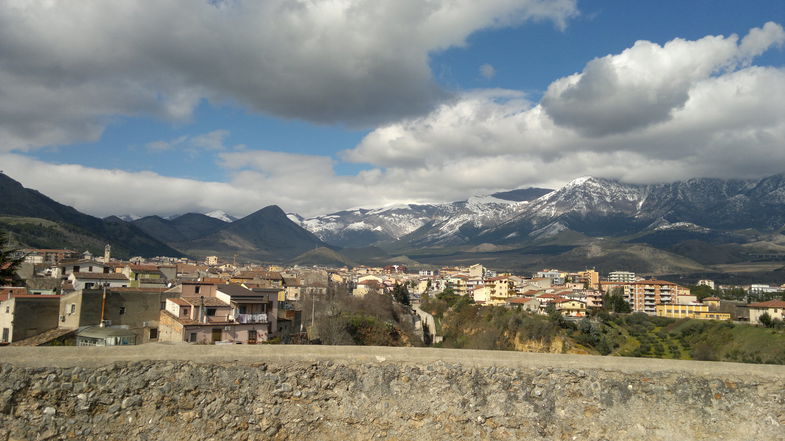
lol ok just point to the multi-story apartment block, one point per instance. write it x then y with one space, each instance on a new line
622 277
645 295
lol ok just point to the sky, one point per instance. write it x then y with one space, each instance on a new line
172 106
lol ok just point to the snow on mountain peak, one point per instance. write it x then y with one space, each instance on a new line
221 215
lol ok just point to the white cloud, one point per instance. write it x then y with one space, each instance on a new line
487 71
646 83
730 124
699 107
68 67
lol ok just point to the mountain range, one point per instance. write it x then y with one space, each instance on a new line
35 220
694 226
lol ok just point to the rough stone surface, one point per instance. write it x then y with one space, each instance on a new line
362 394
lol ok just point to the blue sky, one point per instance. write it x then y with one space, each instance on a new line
216 114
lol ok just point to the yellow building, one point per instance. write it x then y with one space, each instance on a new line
570 307
590 278
693 311
500 289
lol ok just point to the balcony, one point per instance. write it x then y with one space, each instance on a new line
250 318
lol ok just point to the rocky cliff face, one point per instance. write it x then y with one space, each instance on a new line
376 397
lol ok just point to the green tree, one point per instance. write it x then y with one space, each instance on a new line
401 294
701 291
765 319
8 263
614 301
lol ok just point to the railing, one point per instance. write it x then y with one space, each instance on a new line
251 318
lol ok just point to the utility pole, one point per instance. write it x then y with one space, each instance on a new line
103 304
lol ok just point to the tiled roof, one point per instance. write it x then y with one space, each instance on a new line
768 304
236 291
208 301
100 276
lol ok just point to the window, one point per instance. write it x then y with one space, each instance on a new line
211 311
122 310
163 305
192 337
72 308
197 289
153 333
89 269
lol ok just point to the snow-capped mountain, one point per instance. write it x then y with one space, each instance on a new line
593 206
221 215
129 217
437 223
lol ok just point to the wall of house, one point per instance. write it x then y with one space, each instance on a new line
190 392
31 316
139 309
169 329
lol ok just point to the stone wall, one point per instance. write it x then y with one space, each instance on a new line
183 392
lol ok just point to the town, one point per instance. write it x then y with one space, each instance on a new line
66 297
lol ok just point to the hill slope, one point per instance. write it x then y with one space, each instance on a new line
70 228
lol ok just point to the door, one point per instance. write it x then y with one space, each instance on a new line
217 334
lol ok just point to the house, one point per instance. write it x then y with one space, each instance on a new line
196 289
23 315
66 268
43 286
366 286
136 309
481 294
97 280
143 276
570 307
525 303
774 308
234 315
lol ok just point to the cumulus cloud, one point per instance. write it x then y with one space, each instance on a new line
69 67
646 83
723 119
729 125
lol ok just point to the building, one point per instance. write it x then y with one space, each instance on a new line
97 280
570 307
500 289
135 309
645 295
23 316
206 320
234 315
211 260
774 308
693 311
622 277
557 277
588 278
706 282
